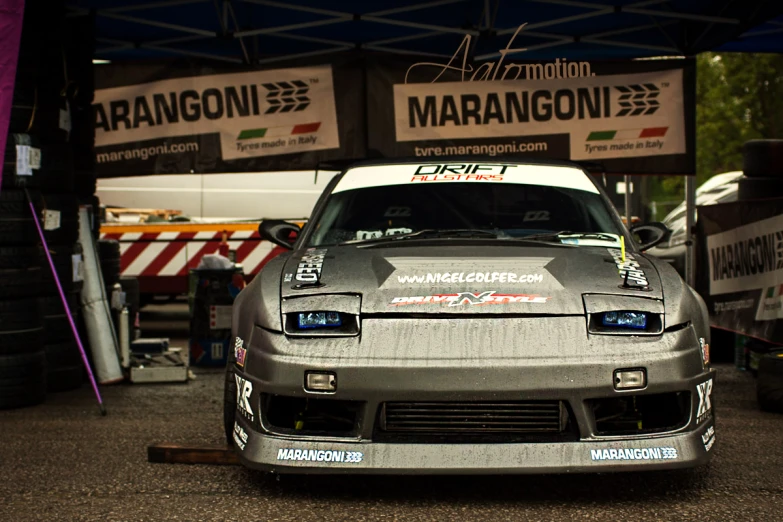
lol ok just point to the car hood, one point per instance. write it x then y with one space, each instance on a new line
483 278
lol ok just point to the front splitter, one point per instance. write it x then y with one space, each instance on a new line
284 455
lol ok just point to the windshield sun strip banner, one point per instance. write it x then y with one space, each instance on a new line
429 173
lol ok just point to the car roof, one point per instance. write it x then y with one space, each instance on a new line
710 192
719 180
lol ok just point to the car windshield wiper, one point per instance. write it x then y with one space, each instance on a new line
428 233
557 236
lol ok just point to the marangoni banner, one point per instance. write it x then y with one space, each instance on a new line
741 254
632 117
180 118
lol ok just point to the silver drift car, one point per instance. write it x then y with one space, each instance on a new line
474 316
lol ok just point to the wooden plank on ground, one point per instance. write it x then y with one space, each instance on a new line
179 454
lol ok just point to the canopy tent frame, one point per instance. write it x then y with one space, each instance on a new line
750 25
656 11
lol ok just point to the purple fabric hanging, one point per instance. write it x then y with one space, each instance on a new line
11 14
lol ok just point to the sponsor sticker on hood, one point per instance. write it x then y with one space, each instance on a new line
527 272
239 351
240 436
630 270
309 268
244 389
704 392
470 277
489 297
708 438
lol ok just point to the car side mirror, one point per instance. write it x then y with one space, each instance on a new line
279 232
649 235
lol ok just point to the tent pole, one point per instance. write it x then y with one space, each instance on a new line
690 220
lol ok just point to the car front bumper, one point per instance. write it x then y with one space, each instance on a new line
405 363
287 455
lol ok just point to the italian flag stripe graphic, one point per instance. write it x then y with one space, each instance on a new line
601 135
306 128
276 132
627 134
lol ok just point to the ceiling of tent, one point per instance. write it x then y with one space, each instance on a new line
266 31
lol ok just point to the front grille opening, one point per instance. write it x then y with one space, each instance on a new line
454 422
310 416
638 414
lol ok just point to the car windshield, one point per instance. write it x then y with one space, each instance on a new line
505 210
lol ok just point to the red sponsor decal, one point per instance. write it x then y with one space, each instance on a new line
470 298
456 177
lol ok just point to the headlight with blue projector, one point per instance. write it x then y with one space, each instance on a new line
307 320
625 322
633 320
324 315
623 315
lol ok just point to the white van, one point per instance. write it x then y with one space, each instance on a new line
220 197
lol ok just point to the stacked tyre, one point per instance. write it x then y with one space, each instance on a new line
48 116
763 169
48 185
61 231
769 384
109 256
130 285
65 369
22 356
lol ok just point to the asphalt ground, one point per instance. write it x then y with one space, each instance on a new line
63 461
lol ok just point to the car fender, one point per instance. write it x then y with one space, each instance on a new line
259 302
682 304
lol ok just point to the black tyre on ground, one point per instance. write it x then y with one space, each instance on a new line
759 188
108 249
57 326
85 183
20 266
18 153
36 110
13 257
52 304
68 206
30 163
25 282
21 326
22 379
67 260
109 254
64 366
763 159
769 384
16 221
130 285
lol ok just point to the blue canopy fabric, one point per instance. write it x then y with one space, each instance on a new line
267 31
